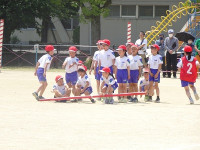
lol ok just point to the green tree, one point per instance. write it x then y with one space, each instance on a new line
92 10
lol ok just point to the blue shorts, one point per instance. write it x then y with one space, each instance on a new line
154 71
122 75
111 69
114 86
186 83
88 89
40 76
71 77
134 76
97 75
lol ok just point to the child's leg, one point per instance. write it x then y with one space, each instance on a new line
135 88
187 91
73 89
151 88
98 85
44 85
157 89
120 90
194 91
124 90
68 92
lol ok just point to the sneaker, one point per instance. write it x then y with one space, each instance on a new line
146 98
111 101
131 99
123 100
196 96
103 99
79 100
41 97
174 77
93 101
191 102
106 101
74 101
98 99
35 94
149 100
62 101
157 100
135 100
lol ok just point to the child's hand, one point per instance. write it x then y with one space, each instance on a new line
151 74
156 75
90 72
82 91
44 74
35 74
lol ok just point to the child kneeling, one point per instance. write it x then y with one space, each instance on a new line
83 85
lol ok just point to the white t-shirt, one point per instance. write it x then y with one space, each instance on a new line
143 82
180 63
83 81
61 89
128 54
122 63
138 43
96 57
155 61
109 81
70 61
106 58
135 62
45 59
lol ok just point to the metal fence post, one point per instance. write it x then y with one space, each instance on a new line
36 48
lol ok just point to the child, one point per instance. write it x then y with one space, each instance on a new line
128 48
42 66
188 72
95 65
108 84
155 63
60 88
122 71
83 85
106 57
144 83
71 65
135 71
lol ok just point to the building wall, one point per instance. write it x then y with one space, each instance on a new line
115 29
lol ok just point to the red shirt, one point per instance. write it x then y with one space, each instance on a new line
189 70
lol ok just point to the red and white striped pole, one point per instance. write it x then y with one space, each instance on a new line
1 39
129 32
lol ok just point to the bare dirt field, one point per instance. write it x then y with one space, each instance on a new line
27 124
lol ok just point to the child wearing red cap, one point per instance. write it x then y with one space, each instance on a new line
144 83
83 85
129 49
108 84
154 64
135 72
71 65
106 56
41 68
188 72
122 71
95 65
60 89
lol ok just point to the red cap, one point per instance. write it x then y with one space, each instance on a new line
121 47
145 70
155 46
58 77
187 49
129 43
105 69
80 62
99 42
82 67
49 48
73 48
134 46
106 41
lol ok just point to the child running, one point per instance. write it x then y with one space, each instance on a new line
135 72
95 65
106 57
71 65
108 84
60 89
144 84
122 71
41 68
155 63
188 72
83 85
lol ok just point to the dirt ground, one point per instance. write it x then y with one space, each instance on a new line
27 124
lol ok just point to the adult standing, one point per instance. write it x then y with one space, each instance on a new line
162 50
142 46
171 45
197 49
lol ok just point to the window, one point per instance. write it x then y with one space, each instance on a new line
161 10
145 11
70 24
114 11
128 10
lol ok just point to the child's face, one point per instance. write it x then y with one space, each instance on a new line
72 54
154 51
134 51
100 47
60 82
146 75
121 52
105 74
51 53
81 73
105 47
129 50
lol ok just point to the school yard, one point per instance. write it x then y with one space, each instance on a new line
27 124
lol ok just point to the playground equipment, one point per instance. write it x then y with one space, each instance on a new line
177 12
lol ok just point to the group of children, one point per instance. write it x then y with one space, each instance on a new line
127 69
